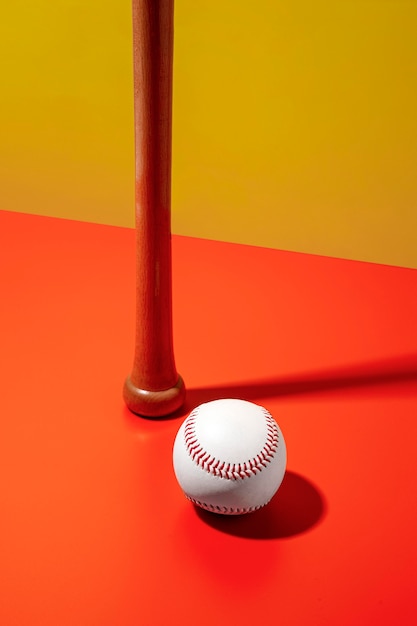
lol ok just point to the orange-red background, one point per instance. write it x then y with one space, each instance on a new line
94 528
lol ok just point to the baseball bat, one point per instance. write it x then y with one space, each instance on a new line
154 388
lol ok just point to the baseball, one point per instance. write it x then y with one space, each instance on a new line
229 456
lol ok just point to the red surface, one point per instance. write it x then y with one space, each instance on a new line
94 529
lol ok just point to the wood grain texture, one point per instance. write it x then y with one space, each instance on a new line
154 387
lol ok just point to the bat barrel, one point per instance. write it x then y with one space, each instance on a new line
154 387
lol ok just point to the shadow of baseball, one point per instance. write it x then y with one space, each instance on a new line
296 508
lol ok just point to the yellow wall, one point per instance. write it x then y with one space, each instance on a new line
295 122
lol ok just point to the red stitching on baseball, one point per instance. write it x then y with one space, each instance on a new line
230 471
215 508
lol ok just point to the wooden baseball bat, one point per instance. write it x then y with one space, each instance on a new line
154 387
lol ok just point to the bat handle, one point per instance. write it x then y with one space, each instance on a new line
154 387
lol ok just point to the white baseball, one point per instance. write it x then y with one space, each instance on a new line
229 456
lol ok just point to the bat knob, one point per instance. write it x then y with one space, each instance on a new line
151 403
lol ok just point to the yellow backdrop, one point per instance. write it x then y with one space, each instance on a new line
295 123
